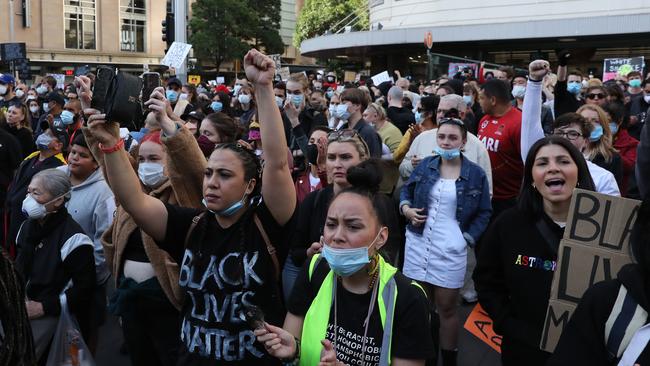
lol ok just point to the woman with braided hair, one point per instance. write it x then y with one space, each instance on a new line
226 252
16 345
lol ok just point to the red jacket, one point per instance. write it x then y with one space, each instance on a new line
303 185
626 146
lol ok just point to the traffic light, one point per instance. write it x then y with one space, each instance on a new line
168 30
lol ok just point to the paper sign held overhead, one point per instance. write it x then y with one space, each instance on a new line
284 73
221 80
176 54
594 248
381 77
622 66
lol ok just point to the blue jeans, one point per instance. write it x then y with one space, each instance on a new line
289 275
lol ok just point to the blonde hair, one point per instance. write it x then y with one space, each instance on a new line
381 113
299 78
594 82
604 146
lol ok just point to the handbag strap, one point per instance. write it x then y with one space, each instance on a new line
269 246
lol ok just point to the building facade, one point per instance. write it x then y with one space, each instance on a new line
501 31
62 34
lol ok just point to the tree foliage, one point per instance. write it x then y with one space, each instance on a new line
223 30
318 16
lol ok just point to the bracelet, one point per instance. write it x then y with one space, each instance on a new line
108 150
535 81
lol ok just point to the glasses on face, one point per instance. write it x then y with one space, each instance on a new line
570 135
596 95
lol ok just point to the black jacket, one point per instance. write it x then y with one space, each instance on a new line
402 118
369 135
53 256
513 275
583 340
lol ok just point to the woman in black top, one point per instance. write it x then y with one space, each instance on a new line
518 253
225 253
18 125
600 150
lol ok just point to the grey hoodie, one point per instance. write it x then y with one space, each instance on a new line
92 206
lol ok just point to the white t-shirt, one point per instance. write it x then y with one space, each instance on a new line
604 180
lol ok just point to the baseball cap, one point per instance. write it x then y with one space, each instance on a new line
55 97
7 79
195 115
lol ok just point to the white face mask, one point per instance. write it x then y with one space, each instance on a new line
151 174
31 97
35 210
3 89
42 89
33 109
183 96
244 98
20 93
46 107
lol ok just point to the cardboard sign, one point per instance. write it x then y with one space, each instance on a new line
349 76
381 77
176 55
621 66
194 79
594 248
480 325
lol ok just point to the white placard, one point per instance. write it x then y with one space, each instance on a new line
60 80
381 77
176 54
221 80
284 73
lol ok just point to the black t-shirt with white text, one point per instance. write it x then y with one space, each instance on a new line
411 338
221 272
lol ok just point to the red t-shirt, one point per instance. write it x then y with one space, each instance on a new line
501 136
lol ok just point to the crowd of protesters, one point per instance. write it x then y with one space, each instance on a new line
313 222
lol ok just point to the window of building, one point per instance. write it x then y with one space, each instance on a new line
80 25
133 20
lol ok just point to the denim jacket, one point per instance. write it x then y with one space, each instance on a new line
473 207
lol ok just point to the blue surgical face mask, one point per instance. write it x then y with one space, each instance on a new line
613 127
67 117
574 87
330 94
216 106
418 117
244 98
596 134
346 262
635 83
43 141
279 101
297 99
447 154
171 95
467 99
232 209
342 111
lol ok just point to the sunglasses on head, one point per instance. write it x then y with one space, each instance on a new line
347 134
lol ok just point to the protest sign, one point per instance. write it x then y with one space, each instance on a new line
594 248
60 80
194 79
349 76
621 66
284 73
278 62
381 77
221 80
455 67
480 325
176 55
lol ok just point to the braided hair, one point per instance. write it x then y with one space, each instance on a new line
17 346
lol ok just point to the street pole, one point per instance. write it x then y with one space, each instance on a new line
180 33
11 21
